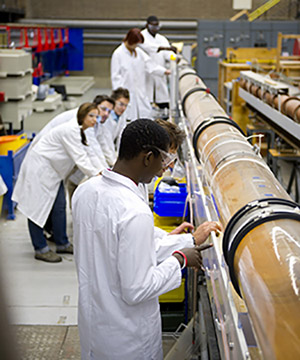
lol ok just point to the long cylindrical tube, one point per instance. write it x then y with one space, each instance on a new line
266 242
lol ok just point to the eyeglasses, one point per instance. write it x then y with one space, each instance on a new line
121 104
92 115
103 108
154 27
167 158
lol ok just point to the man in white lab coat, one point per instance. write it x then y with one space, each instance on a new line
159 49
115 124
120 277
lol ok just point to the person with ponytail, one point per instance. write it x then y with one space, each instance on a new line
39 190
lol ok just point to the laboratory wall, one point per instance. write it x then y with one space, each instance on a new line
141 9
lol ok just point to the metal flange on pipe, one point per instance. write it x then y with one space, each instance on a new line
261 242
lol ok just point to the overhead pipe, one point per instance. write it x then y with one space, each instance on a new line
120 36
111 24
261 243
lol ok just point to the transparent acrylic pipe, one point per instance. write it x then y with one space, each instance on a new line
267 265
267 260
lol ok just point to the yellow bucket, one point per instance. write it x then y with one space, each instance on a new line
12 142
176 295
166 221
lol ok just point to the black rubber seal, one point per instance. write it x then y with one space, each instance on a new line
229 253
188 73
244 210
192 91
212 121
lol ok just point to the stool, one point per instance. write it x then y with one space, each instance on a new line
294 158
251 130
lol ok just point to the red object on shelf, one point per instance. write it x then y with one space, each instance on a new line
38 71
2 96
52 43
39 41
26 38
46 44
61 40
66 36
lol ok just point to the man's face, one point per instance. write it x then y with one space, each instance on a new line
121 105
168 161
153 27
161 163
104 110
155 168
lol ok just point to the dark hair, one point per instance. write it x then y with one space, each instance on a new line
120 92
176 135
134 36
100 98
140 135
151 19
83 110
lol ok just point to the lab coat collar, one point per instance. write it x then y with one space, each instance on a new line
123 180
126 50
114 116
153 36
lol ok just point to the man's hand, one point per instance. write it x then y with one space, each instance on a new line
203 231
174 49
167 72
182 228
193 255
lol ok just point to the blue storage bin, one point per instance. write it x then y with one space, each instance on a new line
170 204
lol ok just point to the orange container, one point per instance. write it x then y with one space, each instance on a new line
12 142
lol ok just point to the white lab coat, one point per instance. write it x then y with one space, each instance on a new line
165 244
57 120
129 71
45 166
119 278
95 153
94 149
156 84
106 141
114 131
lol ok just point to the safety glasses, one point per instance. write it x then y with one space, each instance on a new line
154 27
121 104
167 158
103 108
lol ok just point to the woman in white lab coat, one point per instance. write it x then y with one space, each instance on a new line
39 190
129 65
